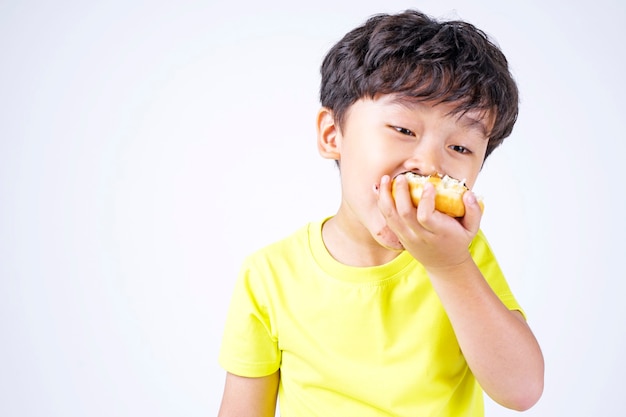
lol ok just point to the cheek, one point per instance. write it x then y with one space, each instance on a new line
469 171
470 181
473 176
363 166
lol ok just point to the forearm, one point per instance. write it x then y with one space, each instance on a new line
498 345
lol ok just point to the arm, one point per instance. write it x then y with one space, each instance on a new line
498 345
249 397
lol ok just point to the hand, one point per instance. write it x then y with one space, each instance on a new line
433 238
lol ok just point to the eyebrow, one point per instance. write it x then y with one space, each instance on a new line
476 122
476 118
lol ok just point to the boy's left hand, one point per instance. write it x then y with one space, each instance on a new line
435 239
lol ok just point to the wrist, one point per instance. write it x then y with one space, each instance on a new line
453 269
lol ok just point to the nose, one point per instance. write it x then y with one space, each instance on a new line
425 159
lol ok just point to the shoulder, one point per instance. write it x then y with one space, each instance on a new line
292 251
486 261
484 258
294 242
479 247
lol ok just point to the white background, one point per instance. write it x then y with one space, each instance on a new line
146 147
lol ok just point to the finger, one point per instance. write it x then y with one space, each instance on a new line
385 199
426 206
473 212
402 197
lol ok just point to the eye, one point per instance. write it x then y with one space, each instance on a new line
403 131
460 149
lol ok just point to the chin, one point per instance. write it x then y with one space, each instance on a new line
388 239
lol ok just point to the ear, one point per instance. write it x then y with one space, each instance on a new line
328 134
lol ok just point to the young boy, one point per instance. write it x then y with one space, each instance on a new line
385 309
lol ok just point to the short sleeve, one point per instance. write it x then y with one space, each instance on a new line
248 346
488 265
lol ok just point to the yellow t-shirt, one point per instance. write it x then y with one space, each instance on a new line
351 342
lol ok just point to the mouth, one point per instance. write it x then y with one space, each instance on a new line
417 174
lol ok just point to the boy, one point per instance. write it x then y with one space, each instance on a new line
385 309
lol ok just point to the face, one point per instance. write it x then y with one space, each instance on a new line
388 136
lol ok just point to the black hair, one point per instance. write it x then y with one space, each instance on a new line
415 56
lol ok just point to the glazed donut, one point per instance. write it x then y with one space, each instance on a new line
449 196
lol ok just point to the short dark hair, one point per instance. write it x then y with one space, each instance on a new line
415 56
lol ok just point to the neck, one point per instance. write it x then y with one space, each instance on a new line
353 245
